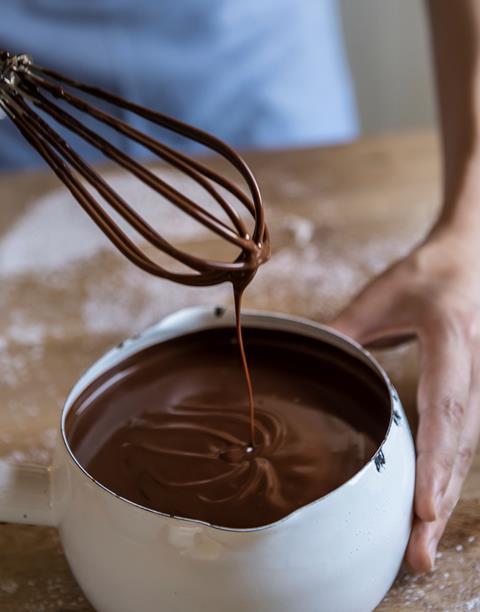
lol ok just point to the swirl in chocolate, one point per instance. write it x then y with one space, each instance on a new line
167 428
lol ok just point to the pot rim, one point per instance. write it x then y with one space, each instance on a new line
197 318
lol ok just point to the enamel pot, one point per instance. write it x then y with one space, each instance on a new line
340 553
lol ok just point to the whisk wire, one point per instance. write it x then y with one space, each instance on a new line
168 123
171 156
22 81
141 172
88 203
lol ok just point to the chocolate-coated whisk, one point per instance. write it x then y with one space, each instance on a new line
24 87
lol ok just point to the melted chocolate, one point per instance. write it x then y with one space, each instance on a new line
167 428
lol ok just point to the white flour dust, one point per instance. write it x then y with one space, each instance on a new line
105 309
422 592
313 273
55 594
8 586
55 231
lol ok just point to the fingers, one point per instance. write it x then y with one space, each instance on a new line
465 452
442 401
422 547
420 556
423 543
425 535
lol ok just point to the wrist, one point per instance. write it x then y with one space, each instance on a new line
460 213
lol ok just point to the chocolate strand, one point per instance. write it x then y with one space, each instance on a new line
174 125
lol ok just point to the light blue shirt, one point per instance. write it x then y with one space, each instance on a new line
256 73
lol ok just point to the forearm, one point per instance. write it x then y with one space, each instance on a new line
455 29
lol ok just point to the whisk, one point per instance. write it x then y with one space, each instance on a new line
25 86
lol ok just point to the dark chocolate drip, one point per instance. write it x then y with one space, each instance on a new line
238 290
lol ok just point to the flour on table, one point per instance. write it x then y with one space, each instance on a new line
23 331
55 231
106 310
421 592
8 586
301 229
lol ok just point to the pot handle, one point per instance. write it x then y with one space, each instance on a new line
25 494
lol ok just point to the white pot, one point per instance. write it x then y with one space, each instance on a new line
340 553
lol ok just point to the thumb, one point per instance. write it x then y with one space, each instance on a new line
376 312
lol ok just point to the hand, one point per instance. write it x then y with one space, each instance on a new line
435 294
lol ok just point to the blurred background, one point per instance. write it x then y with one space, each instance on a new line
388 51
258 74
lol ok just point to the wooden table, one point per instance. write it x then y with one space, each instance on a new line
65 296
